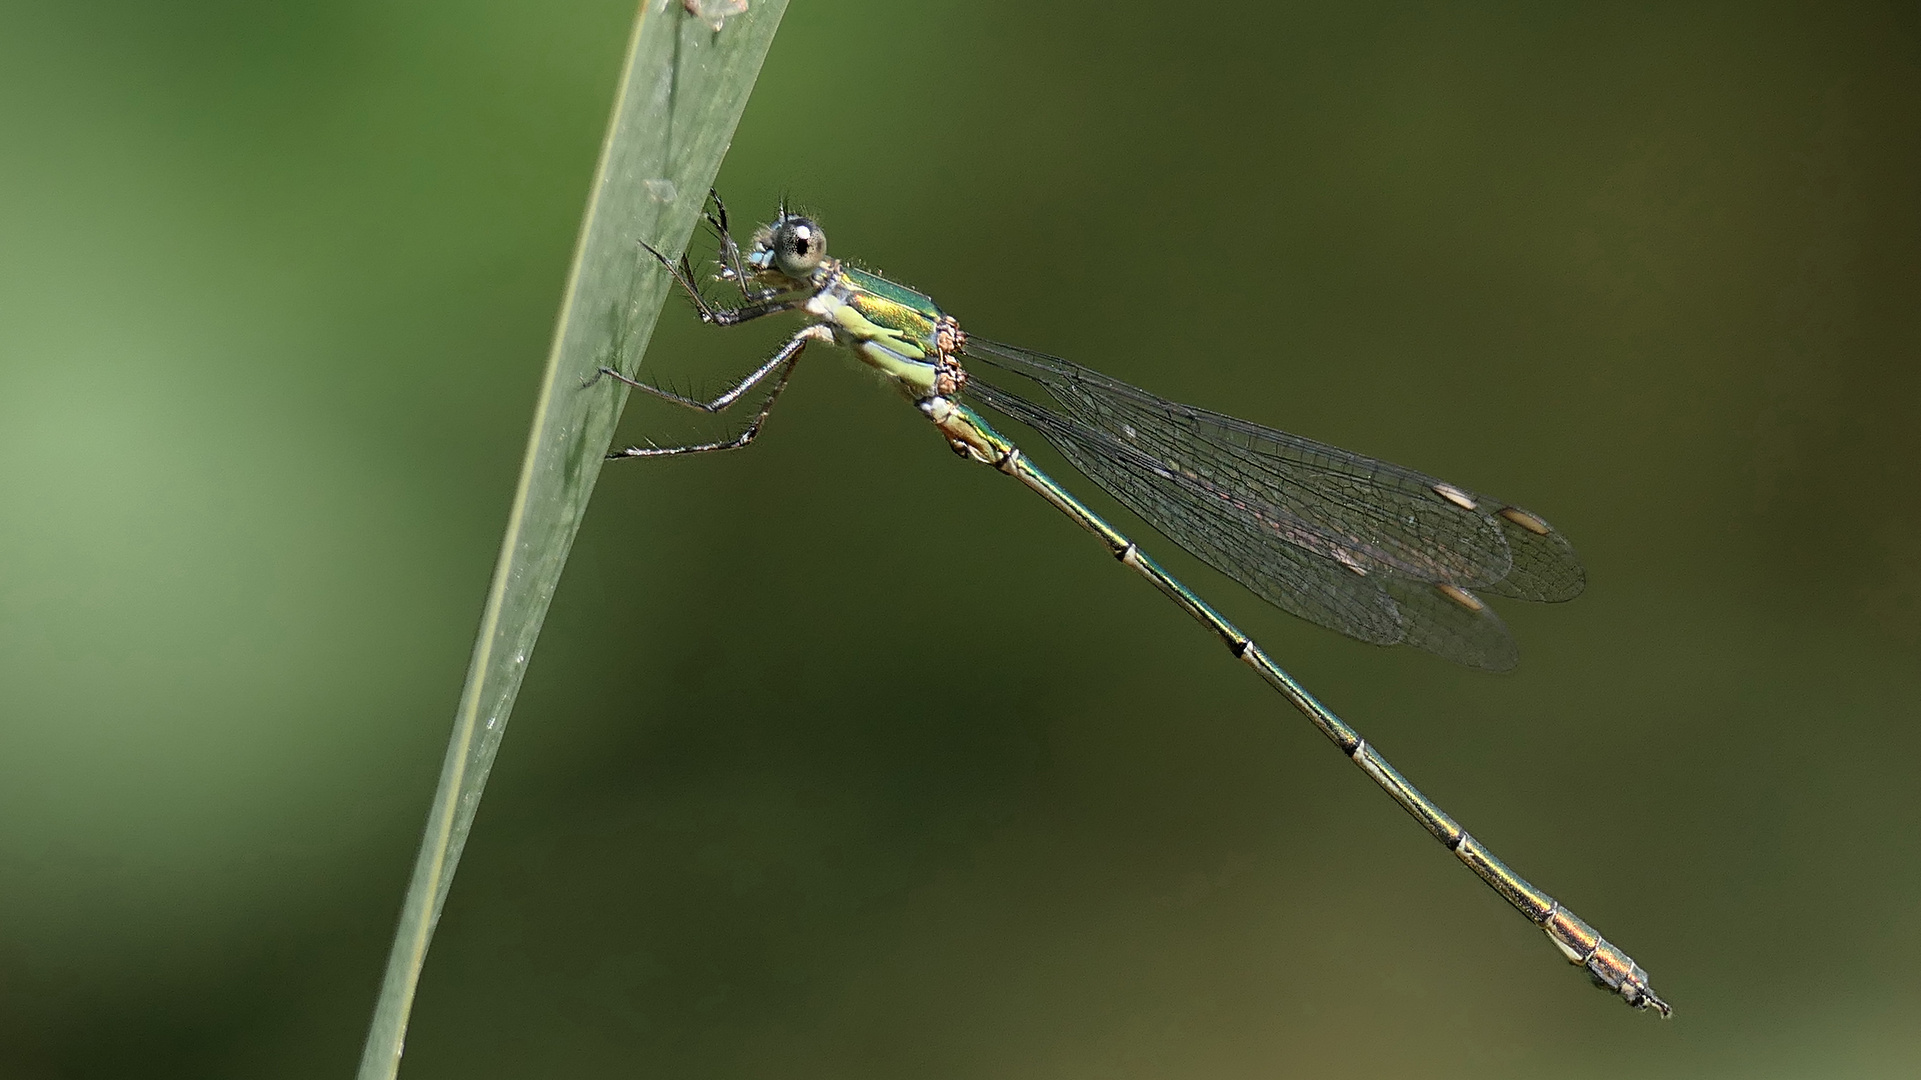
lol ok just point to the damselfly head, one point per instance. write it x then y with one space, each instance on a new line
793 246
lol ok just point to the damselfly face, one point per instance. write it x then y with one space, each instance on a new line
793 248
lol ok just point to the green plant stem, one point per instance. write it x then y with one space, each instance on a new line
681 95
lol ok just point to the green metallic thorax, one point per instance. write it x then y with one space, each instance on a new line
889 326
894 306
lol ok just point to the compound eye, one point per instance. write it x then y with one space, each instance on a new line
799 246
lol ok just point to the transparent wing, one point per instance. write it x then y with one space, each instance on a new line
1376 551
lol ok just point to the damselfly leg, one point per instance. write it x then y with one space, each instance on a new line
784 361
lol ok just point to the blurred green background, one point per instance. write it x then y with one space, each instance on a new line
842 759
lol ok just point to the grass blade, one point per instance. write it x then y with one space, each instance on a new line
681 94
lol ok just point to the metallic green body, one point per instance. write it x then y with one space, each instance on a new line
1606 965
891 303
903 334
889 326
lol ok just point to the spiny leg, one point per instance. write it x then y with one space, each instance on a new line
785 360
729 250
746 436
726 399
683 276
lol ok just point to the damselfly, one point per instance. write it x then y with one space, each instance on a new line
1378 552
